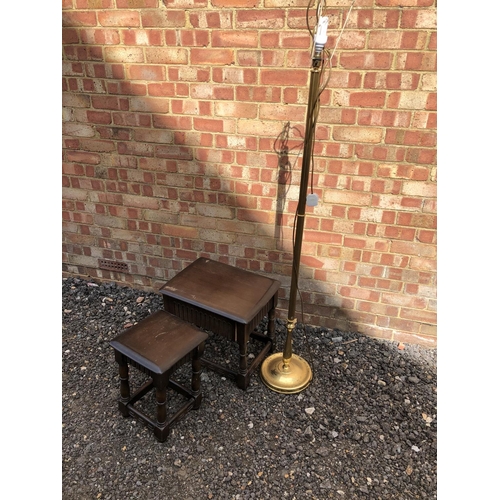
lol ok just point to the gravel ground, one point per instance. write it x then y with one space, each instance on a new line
365 428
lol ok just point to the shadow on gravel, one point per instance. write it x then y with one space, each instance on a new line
365 428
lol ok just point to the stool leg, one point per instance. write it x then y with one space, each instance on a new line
161 403
195 378
242 377
160 429
124 385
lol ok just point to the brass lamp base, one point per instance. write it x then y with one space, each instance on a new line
288 378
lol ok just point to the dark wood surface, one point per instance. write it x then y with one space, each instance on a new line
157 346
230 302
234 293
159 341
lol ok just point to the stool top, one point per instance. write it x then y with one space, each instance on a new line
158 341
232 292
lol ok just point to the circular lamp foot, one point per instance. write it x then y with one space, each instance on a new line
288 378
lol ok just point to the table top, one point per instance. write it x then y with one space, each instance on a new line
158 341
229 291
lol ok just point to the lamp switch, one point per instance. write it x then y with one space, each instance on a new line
312 200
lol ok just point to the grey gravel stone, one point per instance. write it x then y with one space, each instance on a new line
359 443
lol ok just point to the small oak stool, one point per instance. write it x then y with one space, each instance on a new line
228 301
157 346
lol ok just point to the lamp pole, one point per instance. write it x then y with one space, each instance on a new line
287 372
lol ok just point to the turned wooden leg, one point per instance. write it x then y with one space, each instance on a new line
161 404
124 385
242 377
196 375
161 429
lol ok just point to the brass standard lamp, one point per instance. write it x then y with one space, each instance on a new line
286 372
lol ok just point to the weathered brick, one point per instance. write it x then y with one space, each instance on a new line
161 55
283 77
146 72
163 18
358 134
121 18
236 38
212 19
80 18
212 56
124 54
260 18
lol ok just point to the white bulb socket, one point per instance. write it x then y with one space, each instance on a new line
321 37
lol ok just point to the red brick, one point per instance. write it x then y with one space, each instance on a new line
386 39
167 18
161 89
432 42
136 149
258 94
414 18
236 38
417 61
283 77
110 102
142 37
294 40
69 35
364 61
193 38
260 18
161 55
210 125
212 56
94 4
136 4
233 75
367 99
79 18
173 122
262 217
212 19
119 18
426 236
82 157
354 242
239 110
235 3
359 293
405 3
100 36
401 324
420 316
131 119
147 72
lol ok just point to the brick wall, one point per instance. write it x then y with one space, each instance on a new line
177 119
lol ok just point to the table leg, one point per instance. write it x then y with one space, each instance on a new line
124 385
196 376
242 377
161 403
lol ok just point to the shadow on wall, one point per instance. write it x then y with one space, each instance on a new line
143 187
285 167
